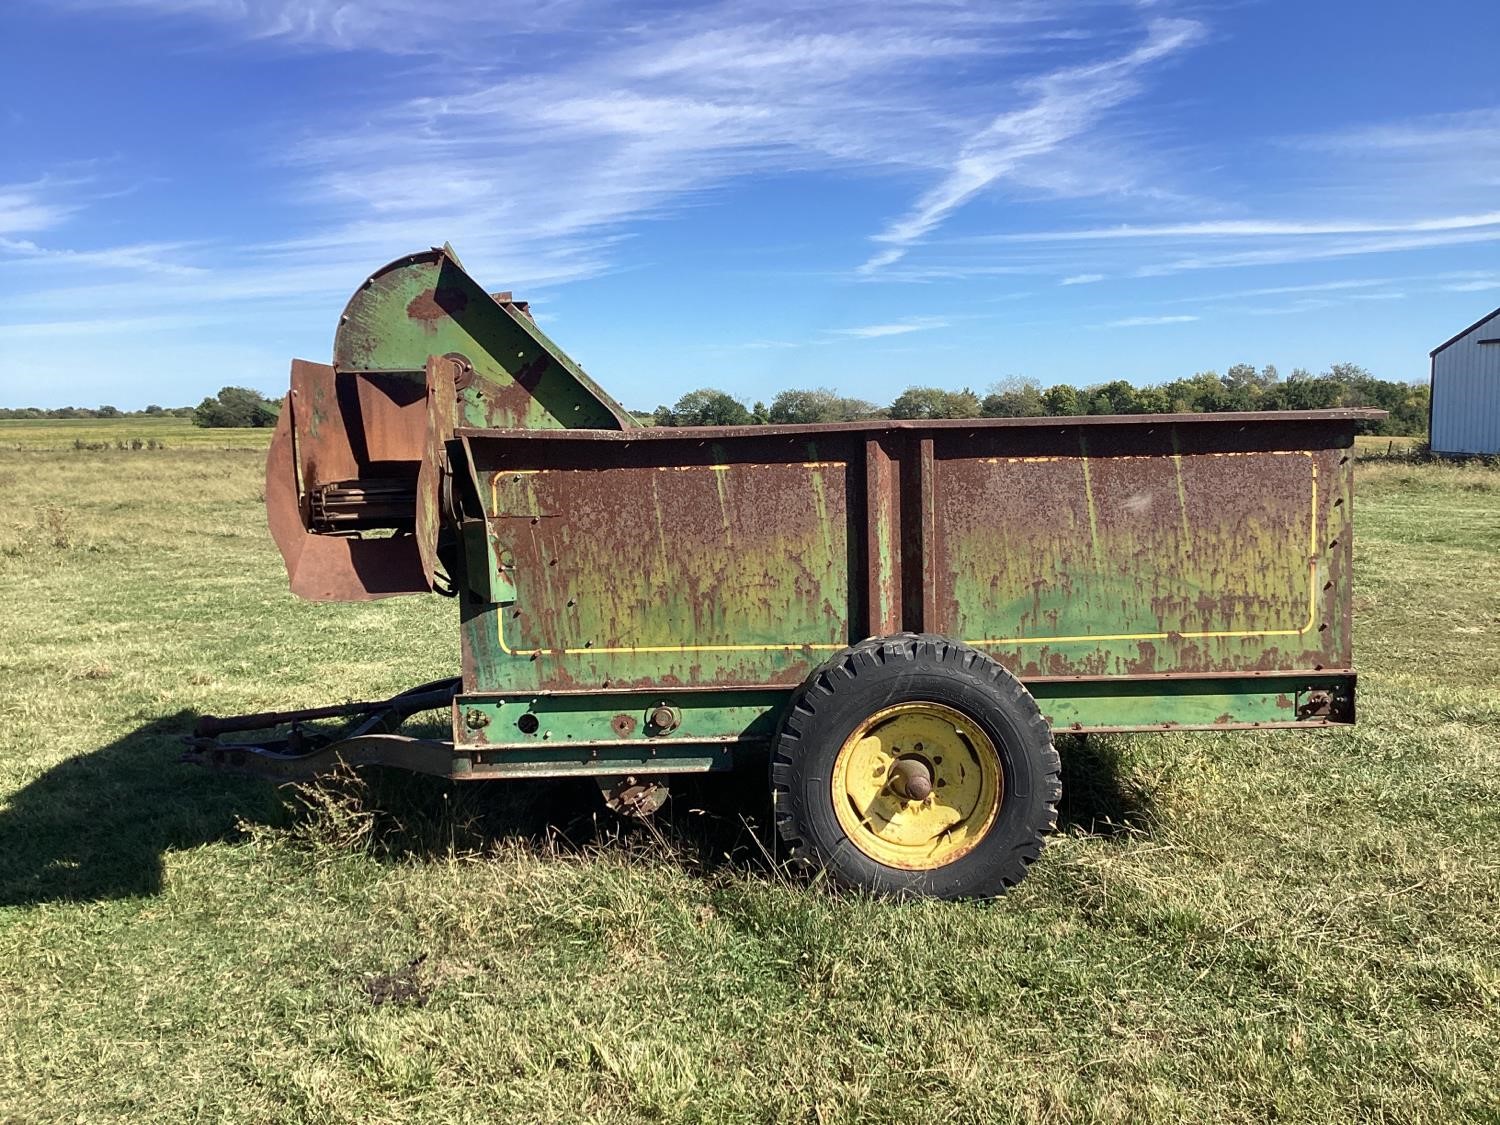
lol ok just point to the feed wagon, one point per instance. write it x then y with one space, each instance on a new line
884 621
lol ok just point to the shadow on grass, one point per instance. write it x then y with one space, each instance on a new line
710 823
97 825
1099 797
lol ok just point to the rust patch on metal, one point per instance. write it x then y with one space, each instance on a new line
357 433
623 725
434 304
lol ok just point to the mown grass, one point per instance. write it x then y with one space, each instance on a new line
1230 927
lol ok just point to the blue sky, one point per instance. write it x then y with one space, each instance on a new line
751 195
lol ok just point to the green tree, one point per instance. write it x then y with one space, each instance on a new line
235 407
1406 403
704 407
1062 401
1014 398
1210 392
1114 397
1303 391
1244 376
817 405
1152 400
934 402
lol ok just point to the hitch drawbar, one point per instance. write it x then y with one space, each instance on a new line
370 738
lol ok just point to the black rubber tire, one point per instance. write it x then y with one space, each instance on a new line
907 667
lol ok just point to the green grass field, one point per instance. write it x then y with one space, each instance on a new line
1229 927
31 434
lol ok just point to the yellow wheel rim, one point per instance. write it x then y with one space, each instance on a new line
917 786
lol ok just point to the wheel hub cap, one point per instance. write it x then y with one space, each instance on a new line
917 785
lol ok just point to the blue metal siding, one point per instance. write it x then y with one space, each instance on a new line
1466 393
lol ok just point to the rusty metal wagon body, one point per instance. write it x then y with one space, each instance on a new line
636 602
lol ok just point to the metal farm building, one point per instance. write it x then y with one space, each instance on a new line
1465 416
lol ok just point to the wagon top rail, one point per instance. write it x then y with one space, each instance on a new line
884 425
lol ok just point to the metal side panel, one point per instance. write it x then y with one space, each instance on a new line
1149 547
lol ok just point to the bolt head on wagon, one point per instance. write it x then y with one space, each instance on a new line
883 621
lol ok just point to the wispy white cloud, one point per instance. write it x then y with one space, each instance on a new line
911 273
644 115
1279 290
1254 228
1332 296
1287 254
1470 130
1479 285
1450 161
387 26
1062 105
899 328
604 117
100 326
27 208
1082 279
1307 304
1147 321
145 257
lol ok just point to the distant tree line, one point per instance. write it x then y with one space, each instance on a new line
152 411
1242 388
232 407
